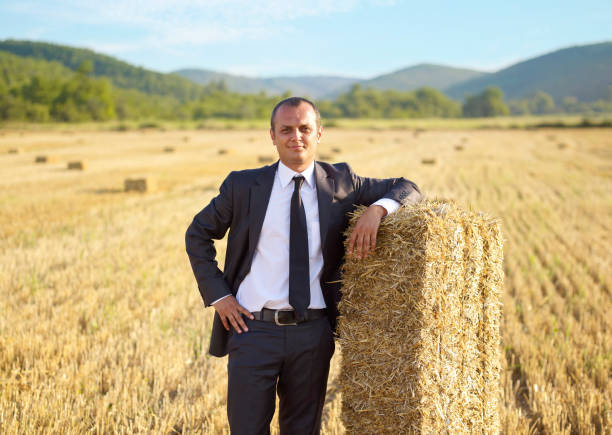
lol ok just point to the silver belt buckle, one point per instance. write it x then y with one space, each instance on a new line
282 324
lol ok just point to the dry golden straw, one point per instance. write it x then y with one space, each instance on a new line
419 325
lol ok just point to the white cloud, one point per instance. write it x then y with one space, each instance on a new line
166 23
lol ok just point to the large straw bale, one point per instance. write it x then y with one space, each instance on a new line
419 325
146 184
491 287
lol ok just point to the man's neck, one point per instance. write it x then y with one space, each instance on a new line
298 168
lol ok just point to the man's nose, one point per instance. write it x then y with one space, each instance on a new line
296 135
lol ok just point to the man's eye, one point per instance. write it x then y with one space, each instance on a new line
306 129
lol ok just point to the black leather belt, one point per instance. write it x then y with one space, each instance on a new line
288 317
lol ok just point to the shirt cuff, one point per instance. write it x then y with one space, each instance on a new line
388 204
226 295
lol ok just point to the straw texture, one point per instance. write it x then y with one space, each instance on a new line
419 325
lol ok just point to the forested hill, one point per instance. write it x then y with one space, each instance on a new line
407 79
583 72
312 86
45 82
438 77
16 70
121 74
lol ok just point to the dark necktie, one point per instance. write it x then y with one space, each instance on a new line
299 273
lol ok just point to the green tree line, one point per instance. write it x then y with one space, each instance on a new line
41 91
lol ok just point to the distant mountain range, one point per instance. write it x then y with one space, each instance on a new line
313 86
418 76
583 72
407 79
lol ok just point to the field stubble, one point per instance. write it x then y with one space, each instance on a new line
102 328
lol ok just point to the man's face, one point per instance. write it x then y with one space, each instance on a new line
296 135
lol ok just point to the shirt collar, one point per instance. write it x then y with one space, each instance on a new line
286 174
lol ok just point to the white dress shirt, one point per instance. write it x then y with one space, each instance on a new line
267 284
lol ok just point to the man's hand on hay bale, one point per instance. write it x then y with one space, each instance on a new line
231 312
363 238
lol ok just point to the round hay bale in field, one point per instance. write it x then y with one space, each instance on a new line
326 157
142 185
45 159
265 159
458 147
77 165
562 145
419 324
336 150
169 149
14 151
428 161
223 151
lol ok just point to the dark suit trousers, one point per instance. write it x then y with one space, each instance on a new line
292 361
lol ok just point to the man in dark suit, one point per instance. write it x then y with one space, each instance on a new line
276 298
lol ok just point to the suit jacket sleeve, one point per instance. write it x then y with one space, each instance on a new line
210 223
369 190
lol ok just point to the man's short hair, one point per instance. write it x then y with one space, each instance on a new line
295 102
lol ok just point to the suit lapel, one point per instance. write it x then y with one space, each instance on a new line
325 195
258 204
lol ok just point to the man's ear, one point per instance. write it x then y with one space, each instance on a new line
272 136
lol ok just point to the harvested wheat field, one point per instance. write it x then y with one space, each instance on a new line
102 328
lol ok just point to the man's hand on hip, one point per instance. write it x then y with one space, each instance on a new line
363 238
231 312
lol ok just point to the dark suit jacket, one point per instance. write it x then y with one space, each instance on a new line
241 206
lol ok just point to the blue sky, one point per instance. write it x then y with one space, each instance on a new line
357 38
